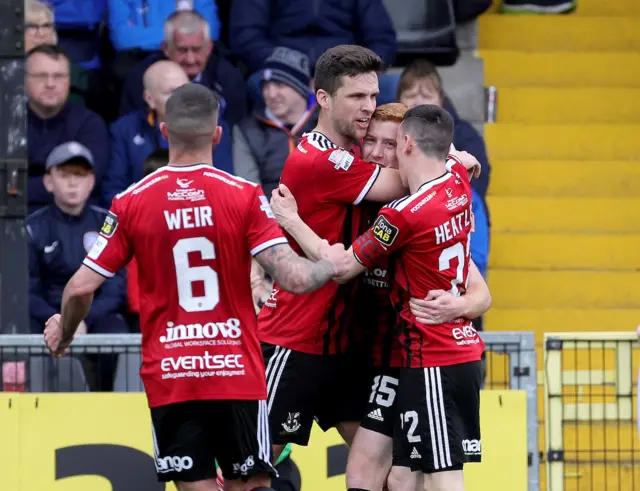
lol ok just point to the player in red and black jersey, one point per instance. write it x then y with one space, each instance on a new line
370 453
305 337
193 230
426 237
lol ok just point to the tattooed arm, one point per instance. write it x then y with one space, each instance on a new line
297 274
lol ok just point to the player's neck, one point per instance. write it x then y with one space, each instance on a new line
326 128
182 158
424 169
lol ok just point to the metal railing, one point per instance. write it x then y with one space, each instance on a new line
27 366
590 421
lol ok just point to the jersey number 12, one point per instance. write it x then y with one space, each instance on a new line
187 275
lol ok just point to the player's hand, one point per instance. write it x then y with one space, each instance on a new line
284 205
470 163
53 337
260 292
437 308
338 256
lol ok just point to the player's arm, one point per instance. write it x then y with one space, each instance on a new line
285 209
76 300
294 273
388 187
440 306
388 233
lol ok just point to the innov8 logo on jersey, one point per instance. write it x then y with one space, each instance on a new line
229 329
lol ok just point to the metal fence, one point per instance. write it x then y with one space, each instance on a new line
590 393
510 364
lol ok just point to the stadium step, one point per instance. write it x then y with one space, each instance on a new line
513 289
540 321
508 68
564 215
595 7
536 178
563 142
559 33
565 252
569 105
608 7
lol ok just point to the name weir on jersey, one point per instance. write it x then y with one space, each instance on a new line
453 227
184 218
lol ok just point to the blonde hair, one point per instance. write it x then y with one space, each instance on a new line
36 6
417 71
393 111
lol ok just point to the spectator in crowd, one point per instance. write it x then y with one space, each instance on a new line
52 119
420 83
188 43
159 158
135 136
78 23
60 236
258 26
40 29
262 142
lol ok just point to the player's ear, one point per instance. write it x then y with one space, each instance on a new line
217 135
322 97
408 145
163 130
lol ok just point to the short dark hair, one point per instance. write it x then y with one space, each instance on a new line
158 159
191 115
52 50
431 127
344 60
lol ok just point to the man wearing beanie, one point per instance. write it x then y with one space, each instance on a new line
262 141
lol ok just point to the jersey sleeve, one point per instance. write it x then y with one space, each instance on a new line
263 230
112 250
456 167
348 178
388 233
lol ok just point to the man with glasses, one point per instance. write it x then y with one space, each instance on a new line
52 120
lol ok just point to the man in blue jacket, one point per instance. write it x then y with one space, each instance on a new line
135 136
60 235
52 120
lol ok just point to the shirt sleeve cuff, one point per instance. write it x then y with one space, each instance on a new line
269 243
367 187
98 269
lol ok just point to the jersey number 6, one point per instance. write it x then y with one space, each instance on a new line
187 275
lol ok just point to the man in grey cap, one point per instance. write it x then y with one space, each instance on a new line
60 235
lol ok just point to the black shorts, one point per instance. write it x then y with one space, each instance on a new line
300 388
438 423
380 412
188 437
